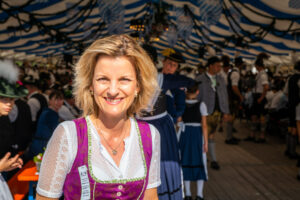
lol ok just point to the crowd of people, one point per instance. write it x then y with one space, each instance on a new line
115 126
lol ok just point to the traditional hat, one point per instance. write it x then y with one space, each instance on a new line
9 87
173 55
238 61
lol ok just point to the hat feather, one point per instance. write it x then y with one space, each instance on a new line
8 71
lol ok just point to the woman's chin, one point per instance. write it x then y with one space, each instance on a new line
115 114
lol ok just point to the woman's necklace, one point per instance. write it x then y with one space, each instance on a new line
113 150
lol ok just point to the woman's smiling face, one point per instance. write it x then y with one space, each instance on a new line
114 85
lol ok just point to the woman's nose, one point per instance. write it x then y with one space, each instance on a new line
113 89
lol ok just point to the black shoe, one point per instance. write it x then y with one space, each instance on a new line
199 198
261 140
293 155
231 141
188 198
249 139
214 165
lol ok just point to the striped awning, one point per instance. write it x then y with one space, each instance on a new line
53 28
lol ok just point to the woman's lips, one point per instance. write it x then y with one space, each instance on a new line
113 101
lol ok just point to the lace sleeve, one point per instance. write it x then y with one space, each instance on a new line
57 161
154 172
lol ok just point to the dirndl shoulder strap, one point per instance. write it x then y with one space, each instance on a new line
146 140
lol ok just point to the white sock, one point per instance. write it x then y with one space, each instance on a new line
200 188
187 185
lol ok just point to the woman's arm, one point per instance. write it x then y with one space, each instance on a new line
39 197
57 161
151 194
205 134
203 110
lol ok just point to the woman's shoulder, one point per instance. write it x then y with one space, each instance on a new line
153 129
68 126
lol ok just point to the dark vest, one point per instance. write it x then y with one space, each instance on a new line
43 102
7 136
231 94
217 104
159 107
23 125
293 91
192 113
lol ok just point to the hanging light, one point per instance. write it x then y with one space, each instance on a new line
137 25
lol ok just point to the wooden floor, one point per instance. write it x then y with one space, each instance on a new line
252 171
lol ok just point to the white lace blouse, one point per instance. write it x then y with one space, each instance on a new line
62 149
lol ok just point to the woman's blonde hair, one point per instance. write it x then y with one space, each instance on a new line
114 46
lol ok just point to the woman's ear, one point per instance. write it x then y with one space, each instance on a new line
137 87
91 90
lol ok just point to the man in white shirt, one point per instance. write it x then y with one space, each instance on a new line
36 100
235 97
213 92
226 68
259 101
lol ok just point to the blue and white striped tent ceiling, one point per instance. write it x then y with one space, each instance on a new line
51 28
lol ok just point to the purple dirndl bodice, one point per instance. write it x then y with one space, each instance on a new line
79 183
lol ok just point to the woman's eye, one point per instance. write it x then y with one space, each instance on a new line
102 79
125 79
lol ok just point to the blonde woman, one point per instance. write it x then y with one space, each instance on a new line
107 154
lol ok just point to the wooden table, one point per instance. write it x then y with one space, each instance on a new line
29 173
